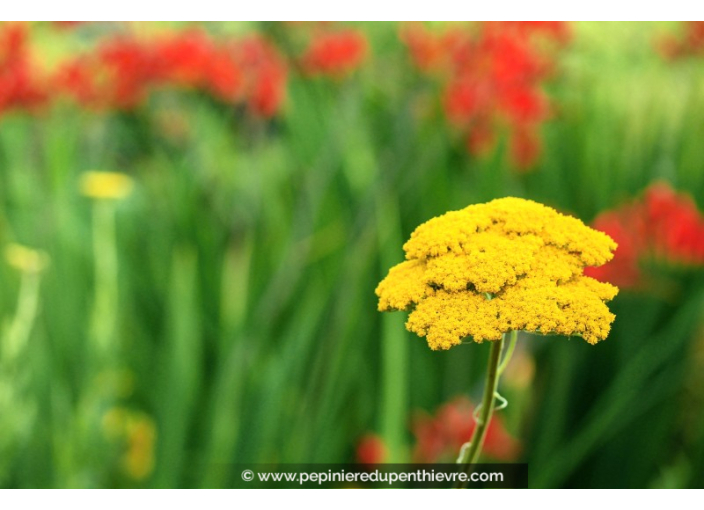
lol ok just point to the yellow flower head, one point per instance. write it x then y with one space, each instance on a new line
106 185
26 259
508 265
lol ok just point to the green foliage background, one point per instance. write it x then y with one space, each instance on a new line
246 323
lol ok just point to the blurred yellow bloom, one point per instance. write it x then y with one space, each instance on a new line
106 185
26 259
508 265
138 460
137 431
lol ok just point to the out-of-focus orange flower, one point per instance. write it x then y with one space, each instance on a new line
371 450
440 437
664 226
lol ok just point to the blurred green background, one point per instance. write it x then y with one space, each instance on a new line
224 311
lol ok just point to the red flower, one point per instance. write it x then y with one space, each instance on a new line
440 438
371 450
21 86
123 71
625 226
335 53
183 58
224 76
76 78
690 43
664 226
676 225
492 74
125 68
265 86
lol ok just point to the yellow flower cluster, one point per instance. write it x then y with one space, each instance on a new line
508 265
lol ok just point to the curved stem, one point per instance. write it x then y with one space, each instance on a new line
104 317
513 338
470 454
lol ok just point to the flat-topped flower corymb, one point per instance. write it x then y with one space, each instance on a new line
507 265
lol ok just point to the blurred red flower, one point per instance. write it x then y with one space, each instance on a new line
265 74
335 53
492 74
371 450
21 86
689 43
625 226
123 70
440 437
663 226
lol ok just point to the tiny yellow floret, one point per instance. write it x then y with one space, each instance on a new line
507 265
106 185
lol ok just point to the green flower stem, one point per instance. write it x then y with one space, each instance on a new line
21 325
470 454
513 340
104 318
395 350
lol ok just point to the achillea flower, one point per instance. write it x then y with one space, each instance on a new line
106 185
439 437
664 227
508 265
